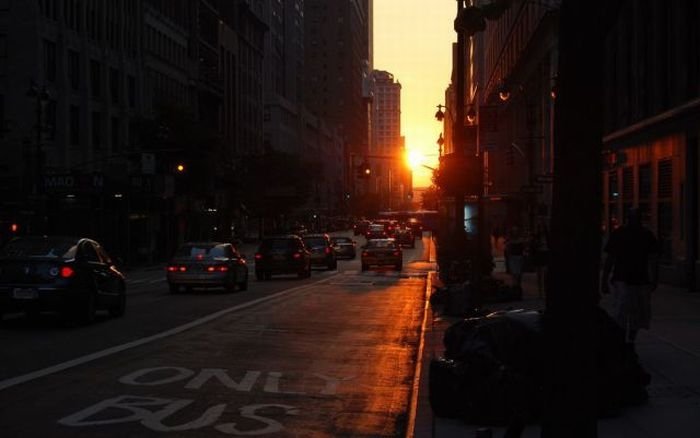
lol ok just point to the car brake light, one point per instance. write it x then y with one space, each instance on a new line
182 268
296 255
397 253
211 268
258 256
67 272
223 268
365 253
172 268
328 250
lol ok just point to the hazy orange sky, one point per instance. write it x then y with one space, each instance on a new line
413 41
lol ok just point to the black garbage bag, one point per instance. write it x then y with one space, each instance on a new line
500 378
501 362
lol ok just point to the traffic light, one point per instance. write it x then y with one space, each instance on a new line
180 167
364 170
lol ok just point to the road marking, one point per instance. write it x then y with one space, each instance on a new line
8 383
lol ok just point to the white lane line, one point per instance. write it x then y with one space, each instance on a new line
8 383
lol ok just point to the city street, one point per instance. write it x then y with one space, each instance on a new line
333 355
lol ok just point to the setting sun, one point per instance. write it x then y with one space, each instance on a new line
414 159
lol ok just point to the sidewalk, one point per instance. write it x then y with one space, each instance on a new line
670 352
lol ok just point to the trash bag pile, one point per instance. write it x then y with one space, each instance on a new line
461 299
492 369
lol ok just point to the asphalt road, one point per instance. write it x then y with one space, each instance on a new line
333 355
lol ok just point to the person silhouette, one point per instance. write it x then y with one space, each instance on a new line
632 259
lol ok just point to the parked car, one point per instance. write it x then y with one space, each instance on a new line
71 275
283 254
344 247
322 253
404 236
207 265
382 252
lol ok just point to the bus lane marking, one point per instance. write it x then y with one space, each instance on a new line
13 381
153 412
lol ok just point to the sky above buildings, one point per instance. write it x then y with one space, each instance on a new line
413 41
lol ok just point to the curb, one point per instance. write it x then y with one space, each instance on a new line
418 374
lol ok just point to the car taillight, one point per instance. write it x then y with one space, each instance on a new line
296 255
221 268
172 268
182 268
397 253
67 272
328 250
258 256
365 253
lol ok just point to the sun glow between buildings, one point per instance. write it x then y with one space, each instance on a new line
415 159
413 41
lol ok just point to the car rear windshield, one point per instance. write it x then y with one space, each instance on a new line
316 242
376 227
381 244
58 248
278 244
200 251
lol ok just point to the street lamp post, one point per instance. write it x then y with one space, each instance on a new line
41 96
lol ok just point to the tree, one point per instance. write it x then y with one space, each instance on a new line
430 198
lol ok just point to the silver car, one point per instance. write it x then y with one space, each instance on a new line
207 264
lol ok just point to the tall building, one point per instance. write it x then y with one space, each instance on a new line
284 72
386 151
652 115
71 81
337 48
98 102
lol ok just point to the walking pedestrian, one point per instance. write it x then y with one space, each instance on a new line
632 258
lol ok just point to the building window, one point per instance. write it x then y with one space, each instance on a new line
50 120
116 137
664 209
74 126
2 116
131 90
50 61
95 79
114 85
96 130
74 69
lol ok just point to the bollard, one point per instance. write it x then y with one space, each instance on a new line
484 432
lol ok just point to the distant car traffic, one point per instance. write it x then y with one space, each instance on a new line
360 228
283 254
382 252
404 236
207 265
73 276
344 247
376 231
322 253
417 227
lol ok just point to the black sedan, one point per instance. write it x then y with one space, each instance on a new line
344 247
207 264
74 276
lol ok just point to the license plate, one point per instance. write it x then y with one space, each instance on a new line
25 294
